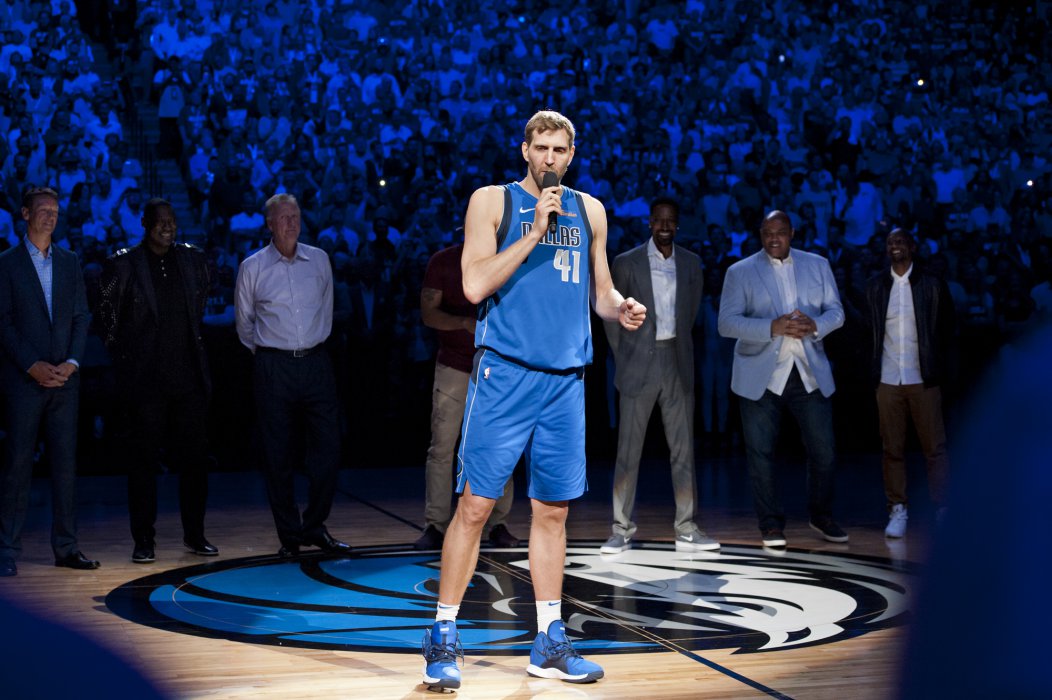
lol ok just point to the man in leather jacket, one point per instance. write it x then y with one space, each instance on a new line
152 299
912 323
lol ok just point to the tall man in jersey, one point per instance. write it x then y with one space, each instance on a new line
533 276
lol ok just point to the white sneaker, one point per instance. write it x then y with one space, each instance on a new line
616 544
897 521
696 541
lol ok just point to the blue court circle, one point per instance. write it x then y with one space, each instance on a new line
650 598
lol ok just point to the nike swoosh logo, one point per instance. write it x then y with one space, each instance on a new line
523 210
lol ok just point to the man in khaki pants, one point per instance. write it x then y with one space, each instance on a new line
444 308
911 321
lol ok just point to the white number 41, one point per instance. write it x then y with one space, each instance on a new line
562 264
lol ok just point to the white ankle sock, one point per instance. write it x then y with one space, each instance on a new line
446 612
548 611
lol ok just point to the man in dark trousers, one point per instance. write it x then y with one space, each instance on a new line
283 314
44 321
911 323
779 304
444 308
152 300
656 365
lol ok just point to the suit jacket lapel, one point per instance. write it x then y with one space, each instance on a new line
683 274
142 276
61 287
30 272
646 284
766 274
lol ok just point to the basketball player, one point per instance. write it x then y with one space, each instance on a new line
533 282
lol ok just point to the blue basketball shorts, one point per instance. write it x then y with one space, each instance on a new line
512 410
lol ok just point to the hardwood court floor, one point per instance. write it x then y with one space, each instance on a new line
383 508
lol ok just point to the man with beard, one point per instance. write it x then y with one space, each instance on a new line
911 319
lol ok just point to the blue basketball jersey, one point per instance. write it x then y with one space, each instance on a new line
540 317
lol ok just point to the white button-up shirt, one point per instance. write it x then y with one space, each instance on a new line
900 361
284 303
792 351
663 280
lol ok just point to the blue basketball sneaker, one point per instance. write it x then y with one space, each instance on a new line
441 647
553 656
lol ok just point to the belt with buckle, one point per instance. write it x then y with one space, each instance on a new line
303 352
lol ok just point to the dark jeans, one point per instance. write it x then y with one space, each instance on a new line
179 423
760 420
293 391
30 408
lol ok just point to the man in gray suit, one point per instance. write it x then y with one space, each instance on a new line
656 364
43 327
779 304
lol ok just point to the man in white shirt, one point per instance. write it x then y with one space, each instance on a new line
779 304
656 365
283 314
911 320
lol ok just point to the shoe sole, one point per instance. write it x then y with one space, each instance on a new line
606 549
440 685
142 560
895 536
829 538
692 547
775 542
200 553
554 673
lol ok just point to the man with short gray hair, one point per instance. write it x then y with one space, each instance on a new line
283 314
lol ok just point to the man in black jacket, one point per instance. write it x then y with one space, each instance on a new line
911 320
152 300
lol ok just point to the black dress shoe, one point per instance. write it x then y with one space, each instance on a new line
199 545
7 567
327 543
77 560
143 553
430 539
500 537
288 551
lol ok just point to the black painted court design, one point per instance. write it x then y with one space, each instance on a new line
650 598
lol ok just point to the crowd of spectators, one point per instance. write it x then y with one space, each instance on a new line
382 118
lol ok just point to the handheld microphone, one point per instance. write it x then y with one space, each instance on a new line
550 179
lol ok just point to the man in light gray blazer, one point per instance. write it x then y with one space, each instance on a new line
779 304
656 364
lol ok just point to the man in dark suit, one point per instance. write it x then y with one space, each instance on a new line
152 300
44 321
656 365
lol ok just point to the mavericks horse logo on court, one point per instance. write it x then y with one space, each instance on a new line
647 599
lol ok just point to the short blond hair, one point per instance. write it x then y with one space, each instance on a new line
548 120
